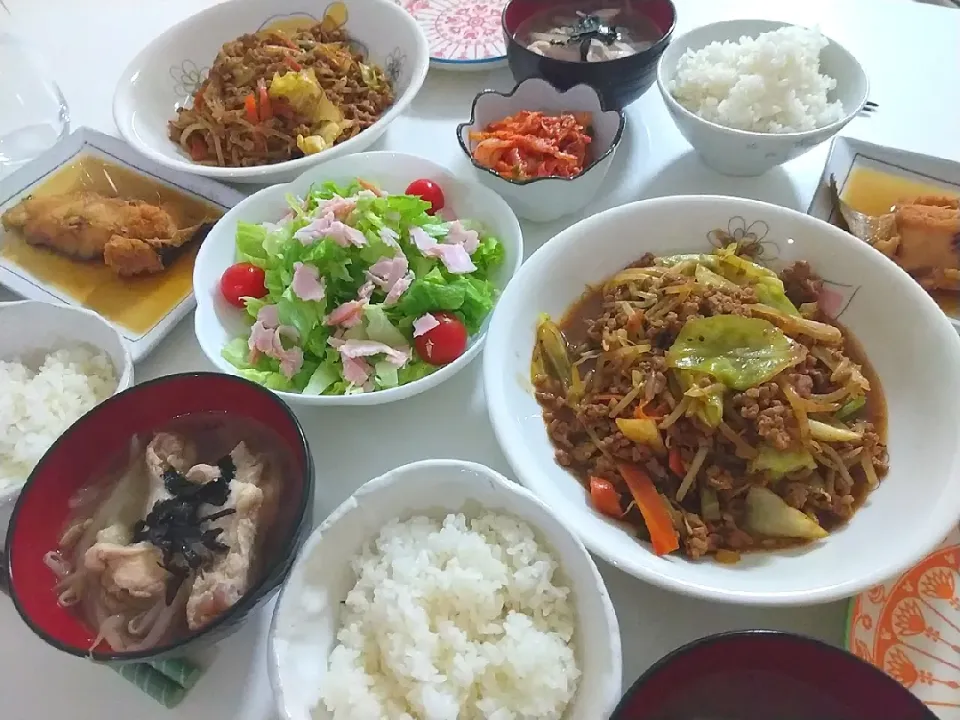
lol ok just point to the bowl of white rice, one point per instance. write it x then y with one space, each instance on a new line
443 590
57 362
749 95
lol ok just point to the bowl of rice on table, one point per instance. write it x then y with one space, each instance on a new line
749 95
70 361
443 590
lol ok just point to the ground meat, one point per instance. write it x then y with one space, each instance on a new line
773 419
694 536
619 337
800 283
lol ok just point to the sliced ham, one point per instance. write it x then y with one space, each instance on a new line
392 276
307 283
327 226
347 314
424 324
389 237
454 256
340 207
269 315
268 342
356 370
397 357
398 289
457 234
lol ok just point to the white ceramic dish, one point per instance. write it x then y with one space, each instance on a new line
83 143
34 328
217 323
907 339
545 199
463 36
305 621
738 152
167 72
927 175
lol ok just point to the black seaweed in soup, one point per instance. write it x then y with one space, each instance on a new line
588 32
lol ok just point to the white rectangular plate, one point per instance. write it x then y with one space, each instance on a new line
89 142
849 153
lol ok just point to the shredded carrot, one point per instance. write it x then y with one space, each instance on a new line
676 462
531 144
653 507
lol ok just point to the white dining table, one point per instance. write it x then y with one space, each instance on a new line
911 53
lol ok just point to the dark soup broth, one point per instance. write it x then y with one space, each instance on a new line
588 32
174 531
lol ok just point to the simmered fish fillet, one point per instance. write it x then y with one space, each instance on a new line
131 236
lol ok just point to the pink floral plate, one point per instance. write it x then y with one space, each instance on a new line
463 34
910 628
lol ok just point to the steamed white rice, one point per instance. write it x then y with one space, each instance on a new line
454 621
770 83
39 403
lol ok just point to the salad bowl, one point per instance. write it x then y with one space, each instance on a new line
252 229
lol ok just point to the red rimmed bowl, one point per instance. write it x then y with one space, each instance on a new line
618 82
85 450
764 674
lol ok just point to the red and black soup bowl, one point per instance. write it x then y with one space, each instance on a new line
81 455
766 675
618 82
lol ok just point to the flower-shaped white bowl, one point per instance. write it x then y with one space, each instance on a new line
306 618
911 345
35 328
216 322
545 199
739 152
167 72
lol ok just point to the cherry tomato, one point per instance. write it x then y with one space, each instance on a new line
444 343
427 190
240 281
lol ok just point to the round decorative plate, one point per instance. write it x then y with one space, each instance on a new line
463 34
910 628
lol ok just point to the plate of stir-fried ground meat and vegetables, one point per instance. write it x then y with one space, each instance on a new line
707 402
255 92
729 399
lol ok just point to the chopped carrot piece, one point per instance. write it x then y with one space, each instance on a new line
653 507
605 497
676 462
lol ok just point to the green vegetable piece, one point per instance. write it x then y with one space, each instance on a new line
777 463
738 351
768 514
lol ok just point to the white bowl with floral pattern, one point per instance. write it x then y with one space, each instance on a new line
170 69
908 341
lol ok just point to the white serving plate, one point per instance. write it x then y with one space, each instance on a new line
170 69
849 153
81 142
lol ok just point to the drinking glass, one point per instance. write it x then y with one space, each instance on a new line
34 115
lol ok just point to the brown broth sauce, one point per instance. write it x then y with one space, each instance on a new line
136 303
589 306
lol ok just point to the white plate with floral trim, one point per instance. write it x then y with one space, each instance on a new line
910 628
463 35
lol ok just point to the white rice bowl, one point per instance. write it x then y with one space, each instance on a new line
41 400
441 591
770 83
